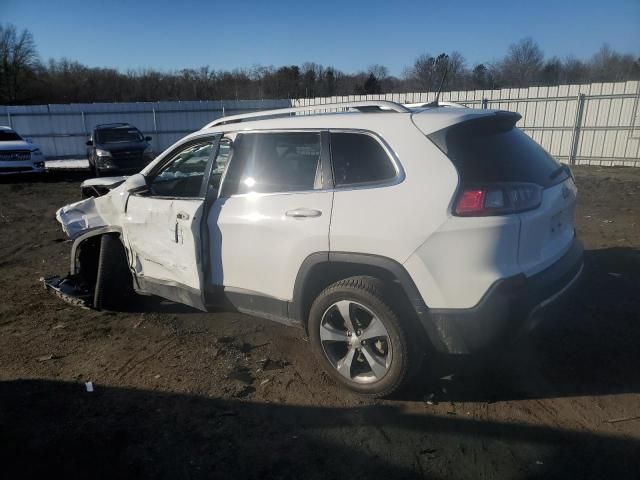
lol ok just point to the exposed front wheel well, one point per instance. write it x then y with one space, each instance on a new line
99 258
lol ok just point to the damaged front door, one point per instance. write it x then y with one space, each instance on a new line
162 225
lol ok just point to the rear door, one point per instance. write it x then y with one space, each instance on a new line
273 211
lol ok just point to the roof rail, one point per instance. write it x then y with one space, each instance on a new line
364 106
429 104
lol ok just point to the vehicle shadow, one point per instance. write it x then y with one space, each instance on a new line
588 345
57 428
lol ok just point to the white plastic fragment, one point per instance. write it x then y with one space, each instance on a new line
89 386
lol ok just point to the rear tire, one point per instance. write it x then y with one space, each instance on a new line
384 362
113 280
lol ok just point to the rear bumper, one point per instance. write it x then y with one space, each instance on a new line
511 305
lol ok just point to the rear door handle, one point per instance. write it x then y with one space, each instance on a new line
303 213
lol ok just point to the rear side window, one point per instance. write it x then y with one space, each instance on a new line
492 149
273 162
359 158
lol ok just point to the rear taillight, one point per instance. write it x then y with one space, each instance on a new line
497 199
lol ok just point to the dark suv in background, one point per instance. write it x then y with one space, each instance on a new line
118 147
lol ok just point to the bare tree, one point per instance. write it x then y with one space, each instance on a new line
23 79
523 63
423 71
608 65
18 59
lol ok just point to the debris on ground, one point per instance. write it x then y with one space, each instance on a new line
242 374
428 451
88 386
431 399
269 364
624 419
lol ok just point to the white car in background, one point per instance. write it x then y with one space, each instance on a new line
18 155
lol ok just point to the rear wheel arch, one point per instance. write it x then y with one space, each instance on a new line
321 269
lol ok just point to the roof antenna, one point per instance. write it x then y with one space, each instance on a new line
442 57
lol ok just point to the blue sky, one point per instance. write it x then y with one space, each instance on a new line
349 35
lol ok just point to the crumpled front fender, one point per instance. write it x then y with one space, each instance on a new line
79 217
93 212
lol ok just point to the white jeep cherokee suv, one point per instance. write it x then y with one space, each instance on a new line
18 155
386 232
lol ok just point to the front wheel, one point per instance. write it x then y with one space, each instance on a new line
359 339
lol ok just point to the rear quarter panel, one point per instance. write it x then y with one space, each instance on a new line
392 221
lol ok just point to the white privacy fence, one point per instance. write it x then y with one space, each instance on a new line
595 124
62 130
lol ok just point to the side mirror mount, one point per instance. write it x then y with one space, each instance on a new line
148 139
136 183
89 143
28 140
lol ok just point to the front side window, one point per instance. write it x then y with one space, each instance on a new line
273 162
182 176
359 158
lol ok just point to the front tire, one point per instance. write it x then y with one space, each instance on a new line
113 280
358 338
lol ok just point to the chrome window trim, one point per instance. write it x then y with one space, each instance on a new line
399 178
270 130
400 175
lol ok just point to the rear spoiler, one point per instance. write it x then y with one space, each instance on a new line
501 120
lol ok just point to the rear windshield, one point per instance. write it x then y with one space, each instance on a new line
118 135
8 136
492 149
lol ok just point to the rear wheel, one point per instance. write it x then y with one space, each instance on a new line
113 280
358 338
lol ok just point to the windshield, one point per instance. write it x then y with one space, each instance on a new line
9 135
118 135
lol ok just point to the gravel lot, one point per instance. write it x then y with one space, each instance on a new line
184 394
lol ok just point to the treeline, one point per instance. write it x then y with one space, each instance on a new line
26 79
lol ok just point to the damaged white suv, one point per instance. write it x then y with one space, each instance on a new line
388 233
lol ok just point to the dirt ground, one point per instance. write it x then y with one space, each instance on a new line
183 394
